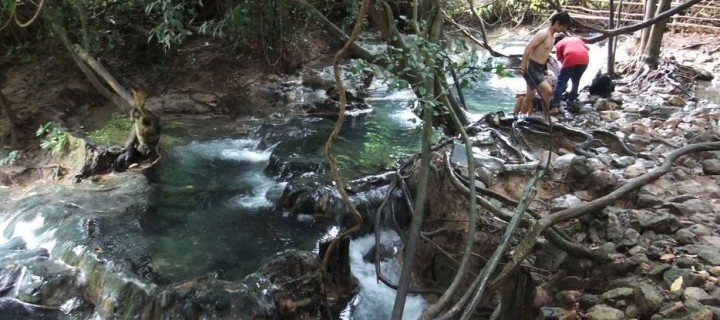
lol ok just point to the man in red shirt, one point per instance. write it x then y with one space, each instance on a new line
573 53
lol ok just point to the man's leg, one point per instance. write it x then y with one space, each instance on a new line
577 74
561 85
546 92
519 98
527 101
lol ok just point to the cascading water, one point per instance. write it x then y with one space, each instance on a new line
215 205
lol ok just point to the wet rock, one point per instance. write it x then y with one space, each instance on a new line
676 310
695 206
676 100
636 249
601 104
632 312
605 312
638 259
9 275
715 271
672 122
658 270
605 181
614 229
572 283
613 296
713 240
711 166
699 230
564 202
485 160
671 274
563 162
648 201
14 244
596 231
689 309
619 266
552 313
568 298
578 267
710 254
622 162
607 248
648 298
686 262
689 278
48 282
700 295
542 298
549 256
611 115
661 221
684 236
11 308
634 171
385 251
629 281
664 112
579 169
696 187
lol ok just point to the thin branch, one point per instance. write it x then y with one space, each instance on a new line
336 131
641 25
100 70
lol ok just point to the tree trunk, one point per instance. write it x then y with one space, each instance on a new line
650 7
518 293
611 41
10 114
651 54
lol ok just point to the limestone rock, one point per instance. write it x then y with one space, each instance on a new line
605 312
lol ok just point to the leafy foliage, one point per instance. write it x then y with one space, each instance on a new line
52 138
11 157
173 14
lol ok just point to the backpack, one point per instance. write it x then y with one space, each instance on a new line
602 85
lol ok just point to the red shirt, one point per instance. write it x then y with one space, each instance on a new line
572 51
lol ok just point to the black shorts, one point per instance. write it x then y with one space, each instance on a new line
534 75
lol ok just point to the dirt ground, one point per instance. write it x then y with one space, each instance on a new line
53 89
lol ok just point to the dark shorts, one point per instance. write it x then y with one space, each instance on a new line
534 75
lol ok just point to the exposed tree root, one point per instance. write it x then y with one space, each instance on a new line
668 73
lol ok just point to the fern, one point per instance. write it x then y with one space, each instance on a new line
54 139
11 158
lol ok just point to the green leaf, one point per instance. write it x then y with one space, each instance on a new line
422 91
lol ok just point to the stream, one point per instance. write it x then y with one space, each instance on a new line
215 207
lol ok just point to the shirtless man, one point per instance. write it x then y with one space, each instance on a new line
533 62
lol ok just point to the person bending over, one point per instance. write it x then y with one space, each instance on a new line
573 53
533 62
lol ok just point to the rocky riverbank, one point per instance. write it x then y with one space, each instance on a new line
659 245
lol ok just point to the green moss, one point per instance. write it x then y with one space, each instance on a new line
115 131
